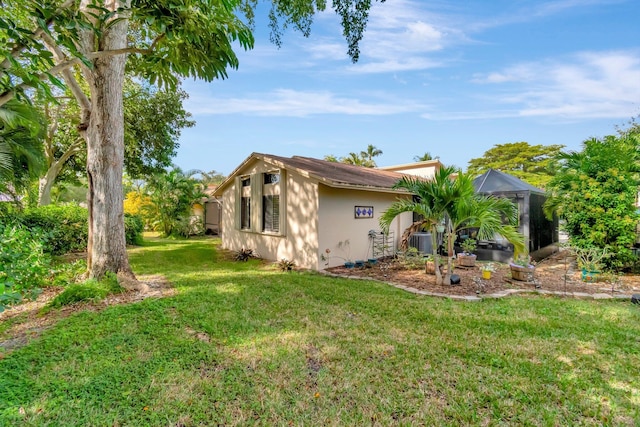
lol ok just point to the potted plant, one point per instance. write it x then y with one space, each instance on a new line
429 265
344 246
521 268
487 269
467 258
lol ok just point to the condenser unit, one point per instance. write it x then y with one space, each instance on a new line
422 242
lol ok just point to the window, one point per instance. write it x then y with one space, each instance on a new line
245 213
258 202
271 213
271 178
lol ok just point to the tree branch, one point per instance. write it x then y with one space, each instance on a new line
37 33
59 68
68 76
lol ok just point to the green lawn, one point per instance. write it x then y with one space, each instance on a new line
245 344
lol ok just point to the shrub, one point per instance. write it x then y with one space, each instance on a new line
64 227
90 290
595 192
133 228
286 264
244 254
23 264
189 226
411 259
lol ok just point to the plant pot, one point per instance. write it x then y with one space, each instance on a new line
521 273
486 274
430 267
359 263
589 276
349 264
466 260
372 261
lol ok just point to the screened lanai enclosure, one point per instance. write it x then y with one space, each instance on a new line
538 231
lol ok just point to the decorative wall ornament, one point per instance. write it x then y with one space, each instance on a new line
363 212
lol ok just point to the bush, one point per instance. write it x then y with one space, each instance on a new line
411 259
23 264
90 290
133 228
64 227
189 226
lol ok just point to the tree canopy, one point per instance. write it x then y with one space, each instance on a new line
531 163
153 121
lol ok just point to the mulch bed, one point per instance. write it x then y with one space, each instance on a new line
557 273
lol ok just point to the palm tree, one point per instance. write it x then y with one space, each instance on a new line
172 196
451 200
21 151
368 155
353 159
426 156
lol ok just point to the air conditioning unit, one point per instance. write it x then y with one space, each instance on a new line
422 242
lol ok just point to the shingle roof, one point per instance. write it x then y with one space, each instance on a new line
332 174
493 181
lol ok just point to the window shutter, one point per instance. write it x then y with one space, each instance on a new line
271 213
282 203
256 202
238 204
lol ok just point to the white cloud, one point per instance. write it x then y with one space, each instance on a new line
328 50
400 36
535 11
588 85
394 65
291 103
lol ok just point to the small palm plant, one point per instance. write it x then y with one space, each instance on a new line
450 197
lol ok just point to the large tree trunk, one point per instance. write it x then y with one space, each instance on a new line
105 157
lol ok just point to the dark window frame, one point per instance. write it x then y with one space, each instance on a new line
245 213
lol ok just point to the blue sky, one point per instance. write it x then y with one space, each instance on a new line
452 78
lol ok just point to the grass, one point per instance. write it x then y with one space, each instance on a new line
89 290
245 344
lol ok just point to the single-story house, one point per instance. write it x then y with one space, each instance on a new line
310 211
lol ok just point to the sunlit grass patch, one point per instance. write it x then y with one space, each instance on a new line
247 344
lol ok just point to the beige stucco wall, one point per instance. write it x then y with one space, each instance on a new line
337 223
299 242
317 218
426 169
